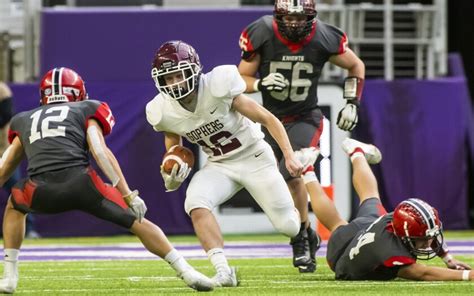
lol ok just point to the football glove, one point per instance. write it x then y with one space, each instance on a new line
273 81
174 179
307 156
136 204
347 117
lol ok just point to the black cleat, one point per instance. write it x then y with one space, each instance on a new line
301 252
314 243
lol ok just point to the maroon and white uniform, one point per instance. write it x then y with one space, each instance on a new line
238 157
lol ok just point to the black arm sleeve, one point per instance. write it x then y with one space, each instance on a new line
6 111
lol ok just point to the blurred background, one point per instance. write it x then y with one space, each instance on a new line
416 106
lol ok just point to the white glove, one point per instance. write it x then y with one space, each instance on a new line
307 156
136 204
347 118
176 177
273 81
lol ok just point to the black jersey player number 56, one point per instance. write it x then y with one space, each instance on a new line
299 87
40 128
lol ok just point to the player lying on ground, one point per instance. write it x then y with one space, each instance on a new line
55 138
377 245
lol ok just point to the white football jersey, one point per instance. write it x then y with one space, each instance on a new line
220 130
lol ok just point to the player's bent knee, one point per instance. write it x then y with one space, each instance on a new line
288 224
195 203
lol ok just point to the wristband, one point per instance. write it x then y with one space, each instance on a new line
255 85
129 197
353 88
447 258
465 275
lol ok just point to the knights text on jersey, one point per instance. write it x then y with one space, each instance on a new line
301 63
54 136
373 254
214 125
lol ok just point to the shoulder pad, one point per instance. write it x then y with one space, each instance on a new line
225 81
154 112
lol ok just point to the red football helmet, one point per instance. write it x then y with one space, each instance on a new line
416 223
61 85
173 57
295 32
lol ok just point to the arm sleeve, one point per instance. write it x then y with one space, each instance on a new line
6 111
103 114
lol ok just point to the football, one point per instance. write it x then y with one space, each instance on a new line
177 154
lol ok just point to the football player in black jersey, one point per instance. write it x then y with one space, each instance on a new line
56 139
288 51
377 245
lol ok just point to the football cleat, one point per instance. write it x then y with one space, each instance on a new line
196 280
8 285
222 279
301 252
371 153
314 243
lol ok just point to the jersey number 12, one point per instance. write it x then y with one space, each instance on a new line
45 131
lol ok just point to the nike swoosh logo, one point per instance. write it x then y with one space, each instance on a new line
302 257
258 154
212 112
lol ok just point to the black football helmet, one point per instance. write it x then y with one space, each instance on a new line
295 32
172 57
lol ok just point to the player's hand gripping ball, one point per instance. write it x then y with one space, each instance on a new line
177 154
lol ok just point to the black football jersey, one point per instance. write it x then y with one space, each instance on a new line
373 254
301 63
54 136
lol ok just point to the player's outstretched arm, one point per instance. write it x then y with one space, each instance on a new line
251 109
109 165
10 160
421 272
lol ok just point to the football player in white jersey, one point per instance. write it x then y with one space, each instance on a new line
212 111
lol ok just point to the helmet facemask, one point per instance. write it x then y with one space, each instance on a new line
420 246
181 89
295 31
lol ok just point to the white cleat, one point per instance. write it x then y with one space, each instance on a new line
8 285
226 279
196 280
371 153
307 156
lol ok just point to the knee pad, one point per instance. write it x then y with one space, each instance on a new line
289 224
195 202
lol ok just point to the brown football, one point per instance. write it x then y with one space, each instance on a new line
177 154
